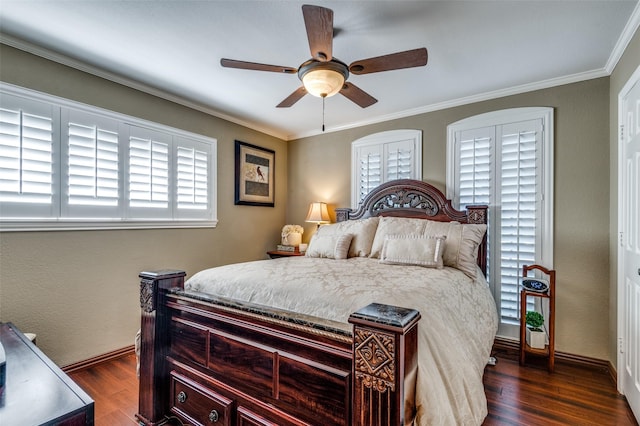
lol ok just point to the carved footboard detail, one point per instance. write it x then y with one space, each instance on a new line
374 359
385 349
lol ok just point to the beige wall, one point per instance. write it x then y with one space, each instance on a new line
627 65
319 169
79 290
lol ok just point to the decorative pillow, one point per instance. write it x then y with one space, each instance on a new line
396 226
460 248
329 246
362 231
413 250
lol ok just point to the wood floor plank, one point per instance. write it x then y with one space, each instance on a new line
516 395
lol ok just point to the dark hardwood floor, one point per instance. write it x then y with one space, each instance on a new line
113 385
516 395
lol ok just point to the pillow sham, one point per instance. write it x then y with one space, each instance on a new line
329 246
461 248
414 249
362 231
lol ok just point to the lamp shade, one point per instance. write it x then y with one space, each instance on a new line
318 213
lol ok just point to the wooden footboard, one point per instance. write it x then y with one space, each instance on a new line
206 361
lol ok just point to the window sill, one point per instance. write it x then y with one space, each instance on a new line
98 225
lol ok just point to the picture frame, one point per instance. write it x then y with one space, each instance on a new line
255 175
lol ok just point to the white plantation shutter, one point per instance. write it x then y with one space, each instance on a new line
27 176
508 167
148 178
65 165
92 163
194 186
473 178
370 173
399 157
381 157
520 177
93 166
192 178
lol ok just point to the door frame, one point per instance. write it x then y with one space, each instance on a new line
633 79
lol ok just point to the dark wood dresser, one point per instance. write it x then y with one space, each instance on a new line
37 392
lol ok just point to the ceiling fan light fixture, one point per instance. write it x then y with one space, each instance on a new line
323 79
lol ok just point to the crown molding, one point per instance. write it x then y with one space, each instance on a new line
515 90
623 41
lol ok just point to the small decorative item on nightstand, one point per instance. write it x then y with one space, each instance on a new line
292 235
543 292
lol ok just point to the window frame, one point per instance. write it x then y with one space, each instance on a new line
61 110
546 234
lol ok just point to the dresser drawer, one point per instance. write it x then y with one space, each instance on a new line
197 404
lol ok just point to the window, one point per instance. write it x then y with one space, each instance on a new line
385 156
65 165
505 159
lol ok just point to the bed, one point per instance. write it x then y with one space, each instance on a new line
387 320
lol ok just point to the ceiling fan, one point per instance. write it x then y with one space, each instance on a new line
323 75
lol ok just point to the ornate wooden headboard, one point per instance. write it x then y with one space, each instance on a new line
416 199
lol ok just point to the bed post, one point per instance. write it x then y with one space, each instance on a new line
154 382
385 349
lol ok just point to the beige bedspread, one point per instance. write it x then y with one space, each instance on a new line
457 329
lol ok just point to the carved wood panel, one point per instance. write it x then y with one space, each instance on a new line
375 359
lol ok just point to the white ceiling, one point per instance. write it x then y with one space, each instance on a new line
477 50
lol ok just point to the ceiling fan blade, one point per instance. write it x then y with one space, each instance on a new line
293 98
232 63
393 61
319 23
357 95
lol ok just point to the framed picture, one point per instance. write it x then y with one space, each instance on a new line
255 175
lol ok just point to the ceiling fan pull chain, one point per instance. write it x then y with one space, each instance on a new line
323 98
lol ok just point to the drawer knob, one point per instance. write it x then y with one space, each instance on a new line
182 397
213 416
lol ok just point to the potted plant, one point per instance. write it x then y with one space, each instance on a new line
536 337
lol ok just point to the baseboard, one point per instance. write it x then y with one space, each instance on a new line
92 362
613 373
511 349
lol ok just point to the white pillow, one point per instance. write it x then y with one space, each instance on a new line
413 250
362 231
329 246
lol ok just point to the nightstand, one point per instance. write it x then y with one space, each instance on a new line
274 254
